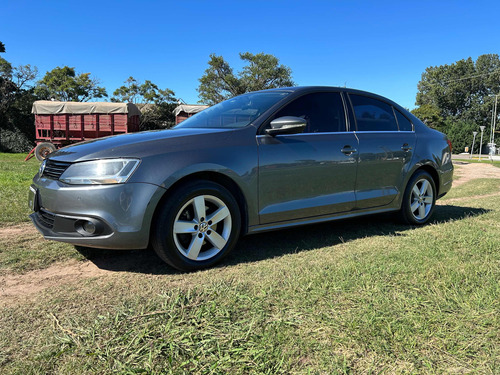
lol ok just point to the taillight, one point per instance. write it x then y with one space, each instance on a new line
449 144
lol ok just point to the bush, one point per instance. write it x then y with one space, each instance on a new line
17 129
15 141
460 134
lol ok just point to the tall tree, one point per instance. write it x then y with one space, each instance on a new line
127 93
463 90
157 105
263 71
14 81
2 47
430 115
65 85
146 93
16 98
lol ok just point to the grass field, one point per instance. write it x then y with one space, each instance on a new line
15 179
24 251
357 296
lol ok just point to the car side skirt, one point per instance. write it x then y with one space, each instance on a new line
318 219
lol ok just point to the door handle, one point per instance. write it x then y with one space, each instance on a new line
348 150
406 147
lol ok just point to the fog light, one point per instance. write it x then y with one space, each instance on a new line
89 227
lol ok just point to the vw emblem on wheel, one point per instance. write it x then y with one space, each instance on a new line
203 227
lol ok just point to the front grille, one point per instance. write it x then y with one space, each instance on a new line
46 218
54 169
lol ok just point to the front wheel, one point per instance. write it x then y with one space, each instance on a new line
419 199
197 226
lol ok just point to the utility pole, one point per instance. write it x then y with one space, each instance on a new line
493 128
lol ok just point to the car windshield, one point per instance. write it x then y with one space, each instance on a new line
236 112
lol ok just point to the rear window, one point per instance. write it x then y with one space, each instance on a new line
372 114
404 124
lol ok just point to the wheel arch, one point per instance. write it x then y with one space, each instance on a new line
433 173
212 176
430 169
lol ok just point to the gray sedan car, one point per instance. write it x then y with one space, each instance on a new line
260 161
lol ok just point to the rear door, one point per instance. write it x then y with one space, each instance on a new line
312 173
386 144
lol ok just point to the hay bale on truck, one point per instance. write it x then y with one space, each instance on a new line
58 124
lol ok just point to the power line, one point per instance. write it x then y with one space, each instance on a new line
465 78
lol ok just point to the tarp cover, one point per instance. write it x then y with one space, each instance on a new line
189 108
48 107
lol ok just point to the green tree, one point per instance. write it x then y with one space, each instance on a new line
157 105
463 90
16 98
127 93
65 85
262 71
460 134
430 115
146 93
2 47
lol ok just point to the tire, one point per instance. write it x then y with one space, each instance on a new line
419 199
43 149
197 226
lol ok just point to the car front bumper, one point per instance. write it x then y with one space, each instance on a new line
121 214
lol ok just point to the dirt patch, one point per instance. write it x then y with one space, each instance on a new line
14 288
16 230
464 172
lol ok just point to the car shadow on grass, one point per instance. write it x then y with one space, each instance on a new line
277 243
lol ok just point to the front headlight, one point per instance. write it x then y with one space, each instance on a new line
106 171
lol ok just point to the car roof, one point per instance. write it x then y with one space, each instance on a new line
304 89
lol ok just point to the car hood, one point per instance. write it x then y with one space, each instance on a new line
140 144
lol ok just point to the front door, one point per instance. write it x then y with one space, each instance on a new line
309 174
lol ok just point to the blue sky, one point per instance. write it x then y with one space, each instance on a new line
378 46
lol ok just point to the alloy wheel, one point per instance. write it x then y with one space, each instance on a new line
421 199
202 227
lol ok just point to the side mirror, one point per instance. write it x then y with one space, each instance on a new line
287 125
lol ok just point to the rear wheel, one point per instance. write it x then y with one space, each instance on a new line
43 149
197 226
419 199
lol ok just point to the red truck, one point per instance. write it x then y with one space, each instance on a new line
59 124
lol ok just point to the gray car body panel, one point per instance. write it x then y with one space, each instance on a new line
305 175
384 165
127 209
284 180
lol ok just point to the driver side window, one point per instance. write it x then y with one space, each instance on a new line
323 111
